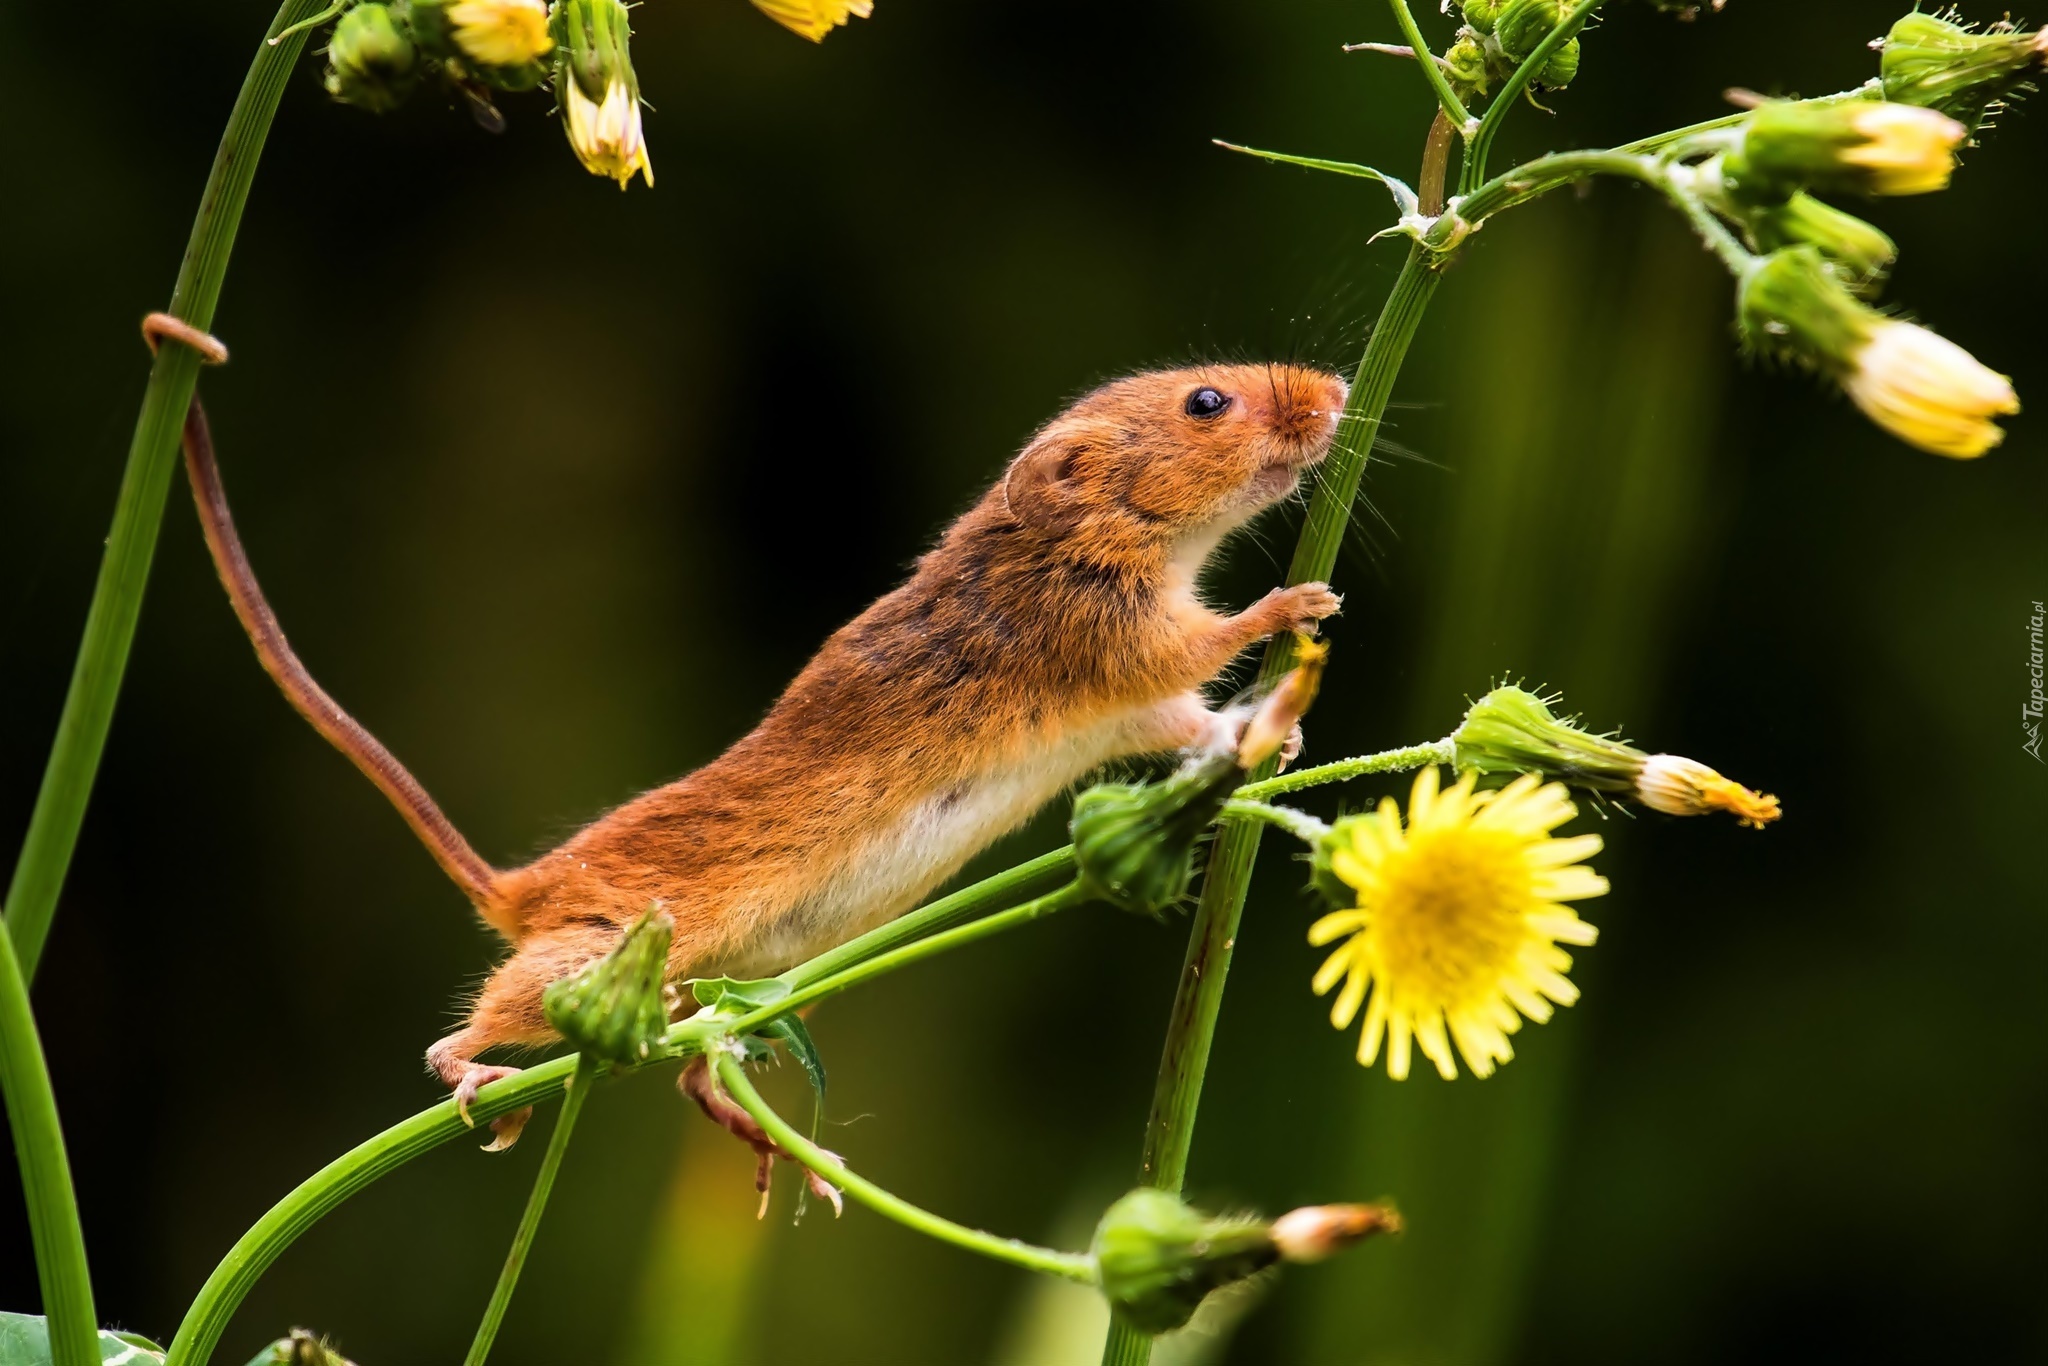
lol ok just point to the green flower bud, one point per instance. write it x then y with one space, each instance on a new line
1134 843
1791 305
1557 73
1522 24
1935 64
1859 250
1862 146
371 62
1512 730
1158 1259
1467 62
300 1349
618 1007
1482 15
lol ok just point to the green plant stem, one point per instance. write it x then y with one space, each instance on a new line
138 512
1534 178
1497 112
1432 71
1071 1266
1391 761
61 1267
1191 1028
950 910
579 1085
904 955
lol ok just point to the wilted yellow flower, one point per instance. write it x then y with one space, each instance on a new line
501 32
1927 390
1908 150
1457 920
814 18
1687 787
607 135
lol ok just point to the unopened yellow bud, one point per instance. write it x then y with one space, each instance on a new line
1926 390
1863 146
1687 787
501 32
1316 1232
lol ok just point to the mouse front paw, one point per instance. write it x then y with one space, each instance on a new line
1301 607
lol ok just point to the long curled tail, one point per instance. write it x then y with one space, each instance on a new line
477 879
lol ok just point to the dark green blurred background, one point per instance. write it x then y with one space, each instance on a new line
556 486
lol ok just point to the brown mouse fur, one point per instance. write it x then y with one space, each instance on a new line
1056 626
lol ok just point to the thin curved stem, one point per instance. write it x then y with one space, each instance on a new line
138 512
1390 761
1535 178
578 1091
327 1189
1525 74
61 1267
1432 69
1069 1266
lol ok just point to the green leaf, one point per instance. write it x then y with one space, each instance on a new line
727 994
25 1341
792 1031
1404 198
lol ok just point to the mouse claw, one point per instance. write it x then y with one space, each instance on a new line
1291 750
505 1130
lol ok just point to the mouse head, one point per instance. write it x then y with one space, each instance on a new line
1174 459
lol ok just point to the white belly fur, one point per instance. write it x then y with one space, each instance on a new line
886 874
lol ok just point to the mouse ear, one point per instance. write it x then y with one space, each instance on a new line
1038 490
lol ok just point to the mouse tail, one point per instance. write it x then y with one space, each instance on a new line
480 882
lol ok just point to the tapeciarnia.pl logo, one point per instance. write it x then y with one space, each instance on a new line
2030 714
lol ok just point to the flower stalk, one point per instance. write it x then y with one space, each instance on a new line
577 1090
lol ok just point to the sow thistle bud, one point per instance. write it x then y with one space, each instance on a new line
1512 730
599 93
1922 388
1519 26
1158 1258
1936 64
1863 252
1134 843
1864 146
371 62
617 1008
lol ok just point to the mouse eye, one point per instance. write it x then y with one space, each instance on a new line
1206 402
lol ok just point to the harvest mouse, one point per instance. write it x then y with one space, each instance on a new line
1056 626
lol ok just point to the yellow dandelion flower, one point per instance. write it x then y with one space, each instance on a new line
1458 917
814 18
